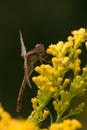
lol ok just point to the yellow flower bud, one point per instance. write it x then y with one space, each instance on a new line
52 90
65 60
66 82
82 83
78 51
85 70
71 66
76 70
34 101
45 113
70 38
60 69
59 79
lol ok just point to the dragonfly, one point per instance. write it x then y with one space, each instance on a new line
30 58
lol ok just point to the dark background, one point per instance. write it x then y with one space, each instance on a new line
41 21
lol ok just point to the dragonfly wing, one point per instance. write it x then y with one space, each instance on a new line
23 48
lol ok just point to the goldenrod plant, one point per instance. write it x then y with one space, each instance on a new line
61 81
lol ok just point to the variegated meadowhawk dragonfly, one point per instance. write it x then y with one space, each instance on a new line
30 58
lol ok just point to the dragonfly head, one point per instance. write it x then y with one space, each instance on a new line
39 48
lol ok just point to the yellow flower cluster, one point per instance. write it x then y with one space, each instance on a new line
66 125
8 123
66 54
62 80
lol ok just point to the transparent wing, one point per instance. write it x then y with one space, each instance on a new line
23 48
26 72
